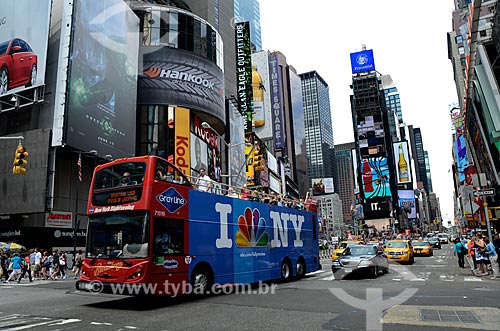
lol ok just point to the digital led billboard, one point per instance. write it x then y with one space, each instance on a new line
371 136
322 186
375 178
103 78
262 101
402 159
24 30
407 202
362 61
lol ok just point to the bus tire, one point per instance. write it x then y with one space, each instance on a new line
202 279
286 270
301 268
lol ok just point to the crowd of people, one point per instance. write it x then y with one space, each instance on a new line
481 254
37 265
205 183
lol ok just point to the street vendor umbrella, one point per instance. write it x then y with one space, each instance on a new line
13 247
2 244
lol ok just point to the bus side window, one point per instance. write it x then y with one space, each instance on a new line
168 237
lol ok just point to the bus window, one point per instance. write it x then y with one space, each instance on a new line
167 173
123 174
168 236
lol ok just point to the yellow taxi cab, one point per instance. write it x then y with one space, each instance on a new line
422 247
400 250
343 245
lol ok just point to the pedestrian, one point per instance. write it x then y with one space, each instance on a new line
25 268
55 266
470 257
493 257
16 267
460 251
481 255
78 264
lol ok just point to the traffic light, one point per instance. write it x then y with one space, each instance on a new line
257 162
20 162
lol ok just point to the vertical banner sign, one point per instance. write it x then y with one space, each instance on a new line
244 73
182 143
276 104
400 150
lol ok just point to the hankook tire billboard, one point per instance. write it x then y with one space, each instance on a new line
177 77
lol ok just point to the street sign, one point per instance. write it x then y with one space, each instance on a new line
481 193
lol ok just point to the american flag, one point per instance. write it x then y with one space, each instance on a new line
79 164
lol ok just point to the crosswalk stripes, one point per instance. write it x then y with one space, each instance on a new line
17 322
398 276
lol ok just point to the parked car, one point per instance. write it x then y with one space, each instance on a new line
18 65
422 247
434 241
367 259
400 250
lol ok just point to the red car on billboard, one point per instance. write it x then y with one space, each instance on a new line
18 64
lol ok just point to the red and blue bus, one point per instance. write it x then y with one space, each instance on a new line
160 233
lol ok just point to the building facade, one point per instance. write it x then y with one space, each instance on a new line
249 11
319 132
343 156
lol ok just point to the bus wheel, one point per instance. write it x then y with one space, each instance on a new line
286 270
301 268
202 280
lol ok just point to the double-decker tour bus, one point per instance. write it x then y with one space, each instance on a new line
150 228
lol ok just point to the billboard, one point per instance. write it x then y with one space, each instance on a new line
375 178
362 61
182 140
244 72
322 186
177 77
101 109
24 31
407 202
261 98
402 158
237 150
371 136
276 87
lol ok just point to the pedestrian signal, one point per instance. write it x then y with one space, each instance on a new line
20 162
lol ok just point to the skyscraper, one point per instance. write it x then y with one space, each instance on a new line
249 10
343 156
318 123
420 156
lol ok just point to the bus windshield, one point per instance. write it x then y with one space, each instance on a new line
120 175
123 235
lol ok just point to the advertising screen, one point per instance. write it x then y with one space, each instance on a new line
371 137
244 72
402 159
375 178
407 202
322 186
362 61
24 30
237 150
181 78
261 97
276 102
103 78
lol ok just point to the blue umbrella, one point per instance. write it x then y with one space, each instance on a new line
13 247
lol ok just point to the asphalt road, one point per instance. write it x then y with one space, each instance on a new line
432 294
